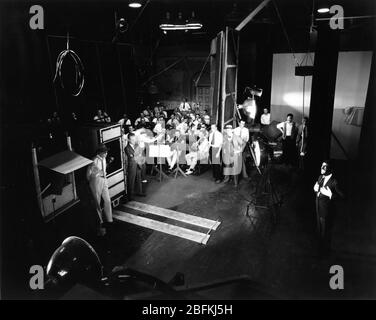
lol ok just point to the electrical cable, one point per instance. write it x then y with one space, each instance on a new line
78 66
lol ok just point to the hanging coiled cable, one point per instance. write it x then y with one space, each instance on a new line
78 66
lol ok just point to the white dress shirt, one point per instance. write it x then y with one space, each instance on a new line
184 106
316 187
242 133
97 168
123 122
289 126
265 119
218 139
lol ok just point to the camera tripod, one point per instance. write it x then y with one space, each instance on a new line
265 197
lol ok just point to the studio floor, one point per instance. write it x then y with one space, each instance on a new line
282 259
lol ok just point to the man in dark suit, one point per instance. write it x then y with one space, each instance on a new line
133 168
327 191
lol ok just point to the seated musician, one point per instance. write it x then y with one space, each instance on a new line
101 116
199 151
177 145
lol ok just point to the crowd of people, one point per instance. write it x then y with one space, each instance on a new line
193 139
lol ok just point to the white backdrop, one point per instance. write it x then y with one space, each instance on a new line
351 90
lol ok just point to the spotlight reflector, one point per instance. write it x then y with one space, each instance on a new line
250 108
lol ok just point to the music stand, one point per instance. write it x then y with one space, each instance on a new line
178 170
159 151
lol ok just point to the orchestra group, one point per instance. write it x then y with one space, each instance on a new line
193 139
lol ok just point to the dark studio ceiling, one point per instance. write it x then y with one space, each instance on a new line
94 20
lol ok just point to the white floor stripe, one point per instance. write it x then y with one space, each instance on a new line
162 227
171 214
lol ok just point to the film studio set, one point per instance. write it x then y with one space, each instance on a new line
188 149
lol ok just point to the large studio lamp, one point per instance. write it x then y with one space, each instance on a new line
74 261
249 105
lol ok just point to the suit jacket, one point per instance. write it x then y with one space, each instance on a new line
324 203
130 162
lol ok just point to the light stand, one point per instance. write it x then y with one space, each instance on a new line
265 191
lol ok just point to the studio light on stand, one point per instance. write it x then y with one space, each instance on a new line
249 105
121 26
250 108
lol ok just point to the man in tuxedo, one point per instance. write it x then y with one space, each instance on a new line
327 190
133 168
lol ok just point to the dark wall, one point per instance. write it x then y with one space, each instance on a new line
29 62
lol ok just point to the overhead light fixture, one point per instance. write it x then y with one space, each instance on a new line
323 8
135 4
179 24
193 23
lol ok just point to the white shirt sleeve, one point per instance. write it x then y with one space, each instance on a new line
280 126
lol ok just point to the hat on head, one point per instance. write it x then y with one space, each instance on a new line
228 126
101 149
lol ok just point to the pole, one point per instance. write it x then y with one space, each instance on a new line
36 178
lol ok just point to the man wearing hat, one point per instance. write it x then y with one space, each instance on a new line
96 175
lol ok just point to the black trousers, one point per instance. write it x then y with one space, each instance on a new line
289 150
216 164
134 179
325 217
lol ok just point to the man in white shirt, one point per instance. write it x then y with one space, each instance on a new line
101 116
265 117
215 144
200 151
242 132
125 121
184 106
173 122
289 131
183 126
140 119
96 175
